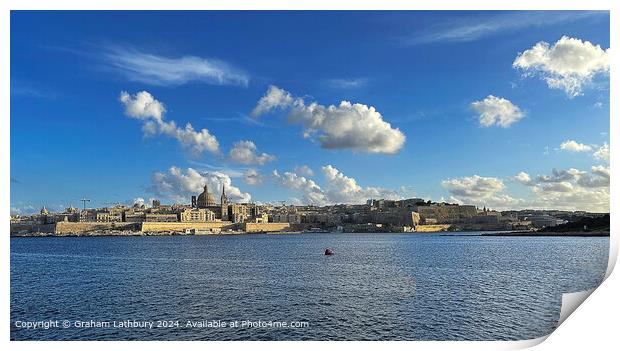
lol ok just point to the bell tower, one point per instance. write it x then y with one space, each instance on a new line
224 204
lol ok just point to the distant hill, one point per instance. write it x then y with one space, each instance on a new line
584 224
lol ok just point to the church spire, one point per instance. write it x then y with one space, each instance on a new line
223 198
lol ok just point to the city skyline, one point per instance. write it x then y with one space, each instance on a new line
434 106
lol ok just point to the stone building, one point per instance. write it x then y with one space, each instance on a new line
224 205
205 199
446 213
161 217
238 213
197 215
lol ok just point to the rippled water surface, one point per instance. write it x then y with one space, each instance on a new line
376 286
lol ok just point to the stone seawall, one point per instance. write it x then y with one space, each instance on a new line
266 227
30 229
432 228
207 227
71 228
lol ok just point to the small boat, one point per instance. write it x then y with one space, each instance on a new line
329 252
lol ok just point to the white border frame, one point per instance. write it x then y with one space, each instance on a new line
598 317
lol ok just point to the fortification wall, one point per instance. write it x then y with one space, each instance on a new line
68 228
18 229
430 228
182 226
266 227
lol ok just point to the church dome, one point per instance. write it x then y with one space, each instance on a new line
206 199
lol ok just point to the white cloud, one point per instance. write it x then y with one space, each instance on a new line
480 191
244 152
474 186
569 64
178 185
560 175
304 170
312 192
274 98
571 189
252 177
571 145
160 70
564 189
523 178
496 111
339 188
22 209
138 201
340 83
602 153
343 189
347 126
598 178
142 106
145 107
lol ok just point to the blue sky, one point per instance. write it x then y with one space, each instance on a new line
467 107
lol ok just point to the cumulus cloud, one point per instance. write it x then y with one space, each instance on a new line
339 188
274 98
252 177
560 175
343 189
480 191
564 189
146 108
602 154
568 64
599 177
245 152
474 186
159 70
571 145
570 189
311 191
178 185
496 111
347 126
523 178
304 170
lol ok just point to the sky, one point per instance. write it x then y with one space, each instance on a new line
507 110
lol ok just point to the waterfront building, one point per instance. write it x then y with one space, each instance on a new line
293 218
134 217
161 217
88 216
264 218
197 215
238 213
108 216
